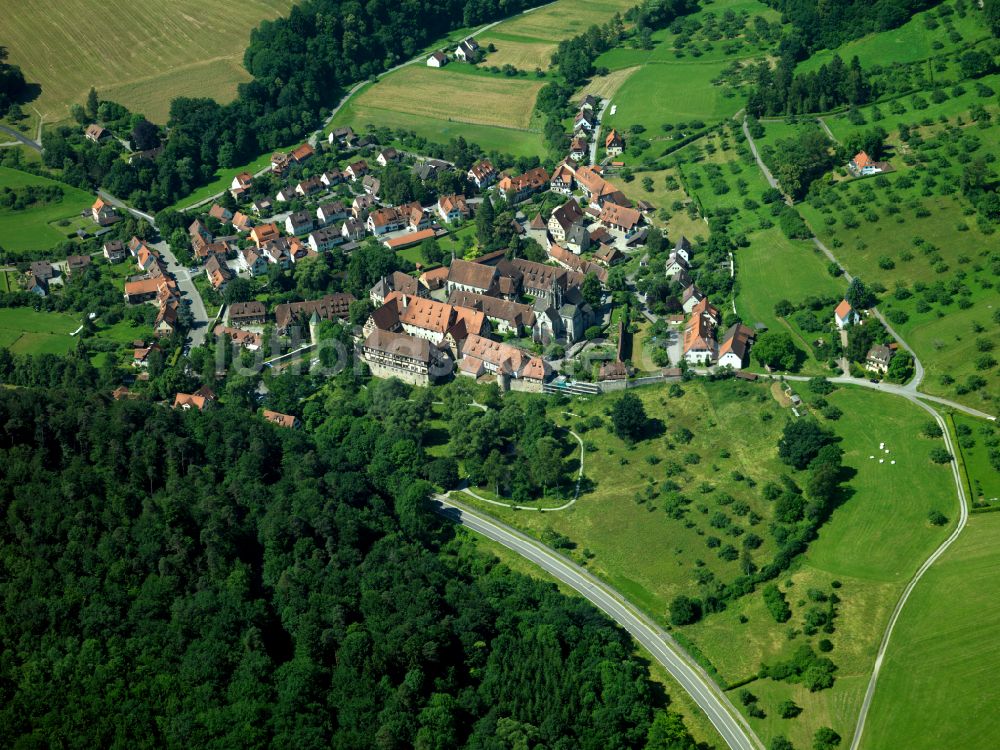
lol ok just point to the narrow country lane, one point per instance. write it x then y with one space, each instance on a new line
22 138
710 698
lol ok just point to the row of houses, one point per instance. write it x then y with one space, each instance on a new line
703 347
154 284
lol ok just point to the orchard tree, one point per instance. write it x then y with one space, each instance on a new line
628 417
777 350
801 441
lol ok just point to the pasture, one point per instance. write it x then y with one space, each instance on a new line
36 228
939 676
874 540
142 53
441 104
26 331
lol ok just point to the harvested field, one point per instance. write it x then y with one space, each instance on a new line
607 86
562 20
452 96
523 54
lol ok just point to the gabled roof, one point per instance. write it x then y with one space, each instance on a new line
568 214
620 216
467 273
399 344
737 340
844 309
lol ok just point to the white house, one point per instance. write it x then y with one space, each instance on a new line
437 60
845 315
467 50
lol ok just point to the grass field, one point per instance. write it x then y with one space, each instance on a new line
873 542
142 53
774 268
521 52
35 228
441 104
975 447
562 19
25 331
663 198
938 682
606 86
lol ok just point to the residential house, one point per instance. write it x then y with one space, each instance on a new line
862 165
390 354
468 50
613 143
77 264
331 212
299 222
332 177
609 255
387 155
691 297
114 251
166 320
96 133
263 207
340 135
590 102
278 252
371 185
308 187
612 371
356 170
675 266
218 273
246 313
331 307
384 220
286 194
221 213
416 219
520 187
620 219
878 359
585 121
429 169
104 213
140 354
252 261
280 162
482 174
287 421
562 180
325 239
515 368
734 351
399 282
437 60
147 258
452 208
504 316
36 284
240 185
578 149
43 269
352 230
845 315
187 401
246 339
264 233
361 205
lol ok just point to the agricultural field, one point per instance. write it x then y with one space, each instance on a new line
37 227
939 676
141 53
923 36
561 19
623 531
26 331
493 111
524 53
774 268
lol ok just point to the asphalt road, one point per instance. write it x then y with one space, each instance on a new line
22 138
720 711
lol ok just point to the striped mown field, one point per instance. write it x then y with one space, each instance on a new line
141 53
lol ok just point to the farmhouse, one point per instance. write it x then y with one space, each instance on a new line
331 307
466 276
104 213
735 347
515 368
413 360
452 208
247 313
482 174
468 50
620 219
96 133
609 255
683 249
518 188
691 297
429 169
613 143
585 121
863 165
437 60
302 153
845 315
504 316
676 266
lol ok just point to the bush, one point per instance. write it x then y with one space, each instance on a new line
940 456
937 518
684 610
776 603
825 645
788 710
825 739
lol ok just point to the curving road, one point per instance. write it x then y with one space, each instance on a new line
22 138
720 711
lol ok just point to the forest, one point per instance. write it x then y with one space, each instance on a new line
829 24
185 579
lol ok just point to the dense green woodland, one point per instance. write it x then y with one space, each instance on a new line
192 580
829 24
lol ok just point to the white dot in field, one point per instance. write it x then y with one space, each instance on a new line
892 462
886 450
881 460
871 457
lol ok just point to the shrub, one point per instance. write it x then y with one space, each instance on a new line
684 610
937 518
940 455
776 603
788 710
